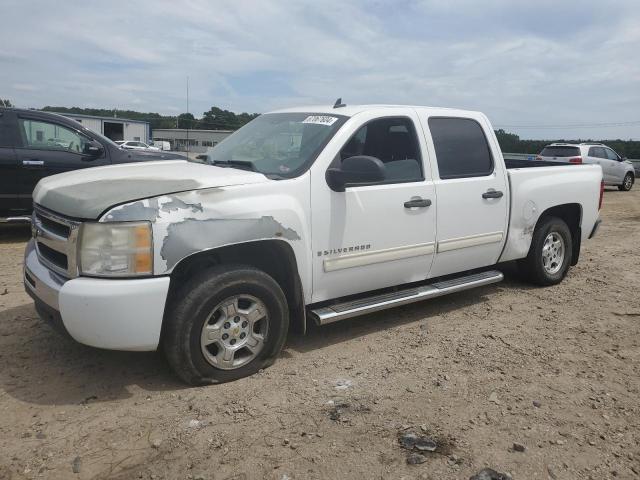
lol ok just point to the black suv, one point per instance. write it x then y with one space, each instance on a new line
35 144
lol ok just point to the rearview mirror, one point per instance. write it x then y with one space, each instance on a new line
93 149
355 171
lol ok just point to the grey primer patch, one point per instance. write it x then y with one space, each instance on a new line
192 236
89 200
135 211
177 204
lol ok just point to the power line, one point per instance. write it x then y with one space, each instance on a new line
575 125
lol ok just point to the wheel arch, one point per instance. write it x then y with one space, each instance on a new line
571 214
274 257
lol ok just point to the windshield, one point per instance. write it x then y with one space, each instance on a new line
277 144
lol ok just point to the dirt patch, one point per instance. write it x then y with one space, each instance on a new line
554 370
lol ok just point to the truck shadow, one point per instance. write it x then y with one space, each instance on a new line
318 337
42 367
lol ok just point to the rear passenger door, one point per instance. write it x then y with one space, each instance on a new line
472 191
598 156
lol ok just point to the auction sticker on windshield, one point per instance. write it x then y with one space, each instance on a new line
320 120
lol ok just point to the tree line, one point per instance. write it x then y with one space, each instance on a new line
218 119
213 119
512 143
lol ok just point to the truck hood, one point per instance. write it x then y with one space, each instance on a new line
86 194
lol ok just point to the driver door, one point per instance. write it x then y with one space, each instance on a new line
374 236
46 148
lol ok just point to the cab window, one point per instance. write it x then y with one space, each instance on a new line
461 147
394 142
41 135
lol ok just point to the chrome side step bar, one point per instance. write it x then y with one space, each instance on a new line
342 311
21 219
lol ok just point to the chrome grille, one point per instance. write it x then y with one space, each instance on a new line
56 240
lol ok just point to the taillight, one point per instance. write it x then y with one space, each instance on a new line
575 160
601 194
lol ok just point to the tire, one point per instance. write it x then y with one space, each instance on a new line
541 266
210 299
627 183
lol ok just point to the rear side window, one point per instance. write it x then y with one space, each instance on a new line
560 151
461 147
597 152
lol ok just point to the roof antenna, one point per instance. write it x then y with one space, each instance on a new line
339 103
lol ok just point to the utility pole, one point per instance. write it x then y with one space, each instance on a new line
188 117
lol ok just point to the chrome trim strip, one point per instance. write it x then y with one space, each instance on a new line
47 283
377 256
19 219
470 241
334 313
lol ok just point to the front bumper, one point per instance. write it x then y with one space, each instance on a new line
114 314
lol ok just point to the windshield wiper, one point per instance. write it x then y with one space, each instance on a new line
241 164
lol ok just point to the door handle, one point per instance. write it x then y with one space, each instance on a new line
417 203
33 163
492 194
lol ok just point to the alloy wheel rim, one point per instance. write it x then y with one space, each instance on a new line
235 332
627 182
553 251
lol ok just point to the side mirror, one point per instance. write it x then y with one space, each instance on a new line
623 159
354 171
93 149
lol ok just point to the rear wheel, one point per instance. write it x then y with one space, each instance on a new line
224 324
550 253
627 183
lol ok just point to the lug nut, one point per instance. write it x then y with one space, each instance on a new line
237 319
225 336
242 335
233 341
244 324
227 325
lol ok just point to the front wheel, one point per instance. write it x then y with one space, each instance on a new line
627 183
550 253
224 324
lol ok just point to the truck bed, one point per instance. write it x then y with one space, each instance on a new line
534 191
513 163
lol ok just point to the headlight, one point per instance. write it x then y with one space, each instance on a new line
116 249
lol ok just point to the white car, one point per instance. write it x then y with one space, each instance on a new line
135 145
313 213
616 170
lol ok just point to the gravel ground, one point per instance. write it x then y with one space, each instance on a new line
485 373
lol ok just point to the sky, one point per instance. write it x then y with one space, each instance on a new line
541 69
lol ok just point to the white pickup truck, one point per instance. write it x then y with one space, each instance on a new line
307 213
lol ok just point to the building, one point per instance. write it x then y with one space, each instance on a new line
114 128
198 141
